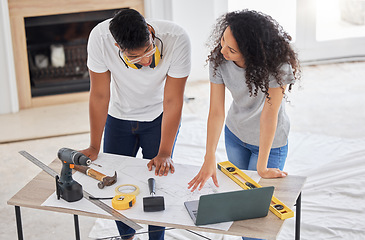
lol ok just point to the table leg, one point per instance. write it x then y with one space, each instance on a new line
19 223
77 227
297 216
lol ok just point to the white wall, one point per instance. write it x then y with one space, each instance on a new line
159 9
8 90
197 18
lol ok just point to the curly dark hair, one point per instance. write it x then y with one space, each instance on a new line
263 44
129 29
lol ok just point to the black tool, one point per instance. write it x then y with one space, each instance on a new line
87 195
67 188
153 203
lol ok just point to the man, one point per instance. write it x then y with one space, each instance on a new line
138 72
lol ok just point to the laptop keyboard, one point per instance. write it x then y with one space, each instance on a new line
195 212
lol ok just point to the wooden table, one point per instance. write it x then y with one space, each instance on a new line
287 189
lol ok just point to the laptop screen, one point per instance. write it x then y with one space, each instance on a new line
232 206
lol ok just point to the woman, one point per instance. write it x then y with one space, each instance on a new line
252 58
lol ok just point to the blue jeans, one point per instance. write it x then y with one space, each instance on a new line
244 155
125 137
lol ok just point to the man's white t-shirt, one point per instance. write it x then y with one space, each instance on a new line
137 94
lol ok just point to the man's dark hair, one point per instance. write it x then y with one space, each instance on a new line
129 29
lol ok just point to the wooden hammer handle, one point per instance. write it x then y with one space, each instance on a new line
95 174
90 172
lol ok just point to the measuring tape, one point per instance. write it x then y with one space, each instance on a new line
276 206
122 202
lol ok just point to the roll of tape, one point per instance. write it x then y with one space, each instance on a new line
127 189
122 202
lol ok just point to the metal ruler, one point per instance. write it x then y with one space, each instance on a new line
87 195
276 206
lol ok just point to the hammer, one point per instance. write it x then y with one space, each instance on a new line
153 203
104 180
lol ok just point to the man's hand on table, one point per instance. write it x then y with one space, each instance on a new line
90 152
163 165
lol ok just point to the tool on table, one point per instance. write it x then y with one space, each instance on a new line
153 203
98 165
119 202
104 180
86 195
127 189
67 188
276 206
122 202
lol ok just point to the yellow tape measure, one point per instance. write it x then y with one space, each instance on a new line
122 202
276 206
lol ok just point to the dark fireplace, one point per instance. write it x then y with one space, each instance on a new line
57 53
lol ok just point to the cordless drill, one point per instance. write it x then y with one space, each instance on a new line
66 187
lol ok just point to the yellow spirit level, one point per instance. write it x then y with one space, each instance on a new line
276 206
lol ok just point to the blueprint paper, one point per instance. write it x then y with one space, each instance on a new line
172 187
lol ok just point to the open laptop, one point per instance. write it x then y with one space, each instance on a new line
230 206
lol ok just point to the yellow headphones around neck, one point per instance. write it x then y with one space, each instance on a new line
155 60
